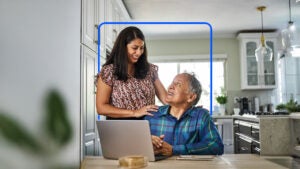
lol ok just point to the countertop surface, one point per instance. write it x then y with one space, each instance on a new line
222 117
226 161
292 116
256 118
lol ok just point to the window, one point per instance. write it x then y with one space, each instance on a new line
167 71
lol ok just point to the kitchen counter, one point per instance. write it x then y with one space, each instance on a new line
286 161
273 133
249 118
226 161
253 117
295 116
222 117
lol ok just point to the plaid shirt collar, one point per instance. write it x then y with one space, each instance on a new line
165 111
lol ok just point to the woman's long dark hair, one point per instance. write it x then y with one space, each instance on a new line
118 56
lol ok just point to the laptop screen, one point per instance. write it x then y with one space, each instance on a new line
120 138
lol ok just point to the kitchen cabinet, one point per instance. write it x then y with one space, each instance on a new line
100 17
88 102
262 135
94 12
89 20
109 27
115 11
295 133
246 137
257 74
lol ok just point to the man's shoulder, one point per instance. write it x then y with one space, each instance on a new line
200 111
162 110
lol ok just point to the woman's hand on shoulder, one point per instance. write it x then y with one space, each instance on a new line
146 110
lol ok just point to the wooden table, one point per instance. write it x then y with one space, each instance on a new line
227 161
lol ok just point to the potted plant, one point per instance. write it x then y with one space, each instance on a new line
291 106
222 100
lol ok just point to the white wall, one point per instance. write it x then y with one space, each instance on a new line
39 50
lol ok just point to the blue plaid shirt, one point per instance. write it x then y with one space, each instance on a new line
193 133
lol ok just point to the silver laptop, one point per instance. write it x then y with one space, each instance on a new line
120 138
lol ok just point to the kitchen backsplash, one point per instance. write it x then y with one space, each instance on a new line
265 97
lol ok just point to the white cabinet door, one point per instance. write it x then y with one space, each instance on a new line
123 16
257 74
100 17
90 143
115 11
109 27
89 20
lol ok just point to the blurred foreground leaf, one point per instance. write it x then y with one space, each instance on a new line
17 134
57 124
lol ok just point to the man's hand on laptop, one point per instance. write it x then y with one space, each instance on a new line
157 141
166 149
160 146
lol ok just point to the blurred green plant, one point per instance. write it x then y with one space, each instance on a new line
57 127
222 98
280 106
18 135
290 106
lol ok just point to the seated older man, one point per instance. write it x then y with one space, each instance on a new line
181 128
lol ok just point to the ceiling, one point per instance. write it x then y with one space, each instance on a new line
227 17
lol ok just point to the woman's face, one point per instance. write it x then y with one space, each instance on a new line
134 50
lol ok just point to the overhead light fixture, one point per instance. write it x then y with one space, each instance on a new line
263 51
290 41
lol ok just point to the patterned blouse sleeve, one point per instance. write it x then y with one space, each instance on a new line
106 74
153 72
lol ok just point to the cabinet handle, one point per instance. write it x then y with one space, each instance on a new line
95 80
249 140
96 26
95 83
95 41
257 149
244 148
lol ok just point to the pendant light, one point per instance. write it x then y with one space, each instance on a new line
290 41
263 51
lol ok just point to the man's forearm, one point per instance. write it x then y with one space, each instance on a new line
212 148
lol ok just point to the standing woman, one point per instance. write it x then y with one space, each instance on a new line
127 83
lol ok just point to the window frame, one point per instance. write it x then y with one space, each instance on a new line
193 58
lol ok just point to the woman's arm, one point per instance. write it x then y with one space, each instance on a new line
105 108
102 102
160 91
